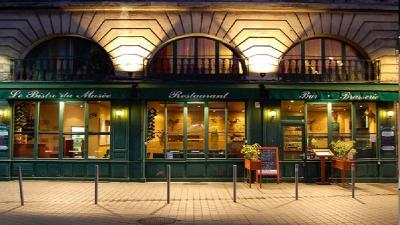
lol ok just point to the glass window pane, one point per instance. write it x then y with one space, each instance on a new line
162 62
236 128
48 146
48 117
312 49
206 47
74 146
366 125
99 116
24 126
155 130
175 130
99 147
317 126
292 142
185 47
206 56
294 53
292 110
24 117
341 121
23 145
195 130
216 130
74 116
333 49
351 53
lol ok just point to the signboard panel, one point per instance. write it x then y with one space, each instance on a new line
270 161
334 95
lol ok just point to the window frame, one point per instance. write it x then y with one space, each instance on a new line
61 133
206 129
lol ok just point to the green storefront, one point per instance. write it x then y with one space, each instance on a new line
313 116
132 131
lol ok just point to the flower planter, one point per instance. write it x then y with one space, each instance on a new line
341 165
250 168
252 164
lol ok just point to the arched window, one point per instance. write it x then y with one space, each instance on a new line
63 59
196 57
326 59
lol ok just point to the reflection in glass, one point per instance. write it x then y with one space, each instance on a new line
236 128
155 130
292 142
317 126
24 125
195 130
48 117
292 110
74 128
99 146
74 115
99 129
48 146
341 121
366 125
175 130
216 130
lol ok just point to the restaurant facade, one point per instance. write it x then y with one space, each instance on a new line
137 87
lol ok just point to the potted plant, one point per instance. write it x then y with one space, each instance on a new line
344 152
251 155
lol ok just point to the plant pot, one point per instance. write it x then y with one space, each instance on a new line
342 164
252 164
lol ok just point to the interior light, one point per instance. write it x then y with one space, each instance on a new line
291 101
118 112
272 114
390 113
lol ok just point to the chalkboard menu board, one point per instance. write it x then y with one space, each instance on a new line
269 161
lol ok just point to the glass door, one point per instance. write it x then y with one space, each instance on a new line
195 130
293 141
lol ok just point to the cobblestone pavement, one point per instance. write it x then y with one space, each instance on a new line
63 202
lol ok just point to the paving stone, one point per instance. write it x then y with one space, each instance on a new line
122 203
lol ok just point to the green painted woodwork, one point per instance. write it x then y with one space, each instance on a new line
119 131
388 170
254 123
216 170
195 169
333 95
4 170
119 170
201 92
272 125
178 171
367 169
333 87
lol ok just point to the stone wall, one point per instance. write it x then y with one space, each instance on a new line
132 35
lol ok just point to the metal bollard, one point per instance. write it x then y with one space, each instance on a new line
296 180
353 179
21 188
168 183
234 182
96 185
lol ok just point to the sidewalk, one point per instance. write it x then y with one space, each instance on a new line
65 202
